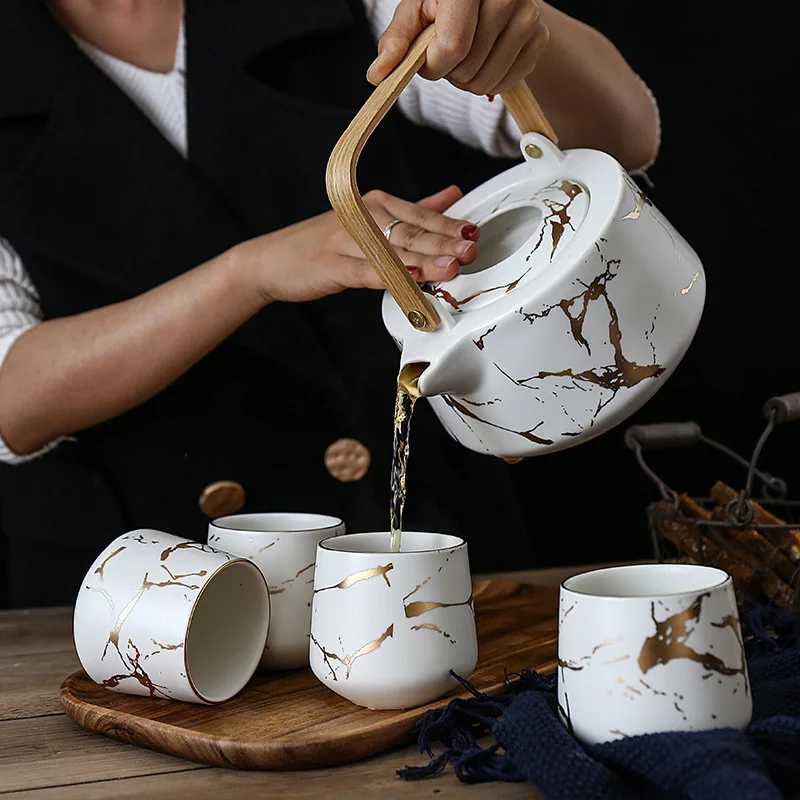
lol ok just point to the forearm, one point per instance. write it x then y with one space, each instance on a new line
591 95
68 374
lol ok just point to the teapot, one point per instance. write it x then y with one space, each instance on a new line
581 303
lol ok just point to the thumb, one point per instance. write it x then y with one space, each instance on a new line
409 20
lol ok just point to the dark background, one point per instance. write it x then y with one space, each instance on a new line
726 80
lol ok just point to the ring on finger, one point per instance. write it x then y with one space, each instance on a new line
387 231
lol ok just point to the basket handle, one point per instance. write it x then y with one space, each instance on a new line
348 203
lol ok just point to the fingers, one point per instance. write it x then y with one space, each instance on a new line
410 18
456 24
443 199
430 268
422 216
420 242
525 63
489 30
357 273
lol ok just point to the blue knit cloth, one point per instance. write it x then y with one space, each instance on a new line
531 744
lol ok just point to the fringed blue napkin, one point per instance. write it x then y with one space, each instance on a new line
531 744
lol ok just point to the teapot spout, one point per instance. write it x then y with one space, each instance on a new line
452 373
408 379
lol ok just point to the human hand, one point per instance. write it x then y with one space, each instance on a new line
481 46
317 257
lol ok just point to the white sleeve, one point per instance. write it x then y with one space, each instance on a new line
19 312
468 118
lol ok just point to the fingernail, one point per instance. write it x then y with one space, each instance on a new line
490 98
372 65
470 232
443 262
462 248
413 270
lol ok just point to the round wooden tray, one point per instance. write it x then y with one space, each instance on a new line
283 721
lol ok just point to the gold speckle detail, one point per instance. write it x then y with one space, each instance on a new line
669 642
429 626
558 219
602 645
623 373
443 294
204 548
113 637
567 665
479 343
104 593
357 577
420 607
101 568
348 661
463 411
691 283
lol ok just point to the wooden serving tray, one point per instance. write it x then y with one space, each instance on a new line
289 720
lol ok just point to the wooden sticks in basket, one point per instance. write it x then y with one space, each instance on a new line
764 563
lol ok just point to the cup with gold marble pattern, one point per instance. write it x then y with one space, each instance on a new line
650 648
387 627
284 547
171 618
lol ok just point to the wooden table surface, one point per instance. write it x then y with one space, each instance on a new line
44 755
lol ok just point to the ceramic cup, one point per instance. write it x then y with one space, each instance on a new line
386 628
168 617
650 648
284 547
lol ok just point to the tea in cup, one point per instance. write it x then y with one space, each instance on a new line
284 547
650 648
168 617
387 627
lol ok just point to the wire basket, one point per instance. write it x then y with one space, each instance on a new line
756 539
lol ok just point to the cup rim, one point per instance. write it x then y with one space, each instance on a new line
724 579
332 522
209 580
459 543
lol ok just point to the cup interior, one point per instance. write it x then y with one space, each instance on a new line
227 631
378 543
276 522
646 580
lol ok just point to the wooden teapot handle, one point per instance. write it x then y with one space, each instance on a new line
349 205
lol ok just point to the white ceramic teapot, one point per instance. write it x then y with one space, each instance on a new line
582 301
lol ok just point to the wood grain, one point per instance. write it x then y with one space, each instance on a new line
37 630
284 721
374 778
20 675
527 112
53 751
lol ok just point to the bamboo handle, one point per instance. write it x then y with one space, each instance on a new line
348 204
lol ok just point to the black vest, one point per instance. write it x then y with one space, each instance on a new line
101 208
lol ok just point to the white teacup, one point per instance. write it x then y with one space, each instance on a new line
650 648
168 617
386 628
284 547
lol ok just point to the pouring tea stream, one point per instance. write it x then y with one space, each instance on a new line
581 303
